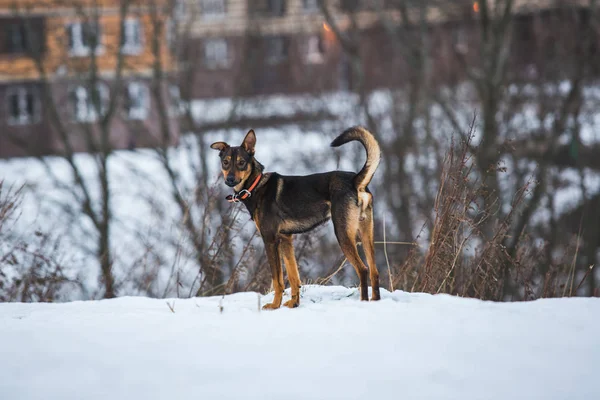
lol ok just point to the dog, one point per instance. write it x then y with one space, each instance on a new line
282 206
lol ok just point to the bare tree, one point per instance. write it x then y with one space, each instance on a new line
86 124
489 61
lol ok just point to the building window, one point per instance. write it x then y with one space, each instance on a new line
315 49
83 37
17 38
213 9
310 6
171 33
132 36
276 7
216 53
276 49
179 10
137 102
88 104
349 5
344 74
23 105
177 106
460 40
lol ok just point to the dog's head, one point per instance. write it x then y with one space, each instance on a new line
236 161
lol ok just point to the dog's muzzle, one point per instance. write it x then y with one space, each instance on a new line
231 182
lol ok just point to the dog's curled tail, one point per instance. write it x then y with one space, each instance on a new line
367 139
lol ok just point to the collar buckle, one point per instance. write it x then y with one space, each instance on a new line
244 193
241 194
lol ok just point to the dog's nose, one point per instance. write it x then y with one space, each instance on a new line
230 180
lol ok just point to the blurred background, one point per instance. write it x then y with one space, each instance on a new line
486 112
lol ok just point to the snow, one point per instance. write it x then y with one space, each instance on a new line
409 345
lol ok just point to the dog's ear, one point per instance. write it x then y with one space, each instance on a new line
219 146
249 142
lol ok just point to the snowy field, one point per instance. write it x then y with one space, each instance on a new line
407 346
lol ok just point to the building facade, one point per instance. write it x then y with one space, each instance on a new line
67 68
62 64
245 48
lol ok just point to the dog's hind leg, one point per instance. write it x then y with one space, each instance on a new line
286 248
366 234
345 224
274 258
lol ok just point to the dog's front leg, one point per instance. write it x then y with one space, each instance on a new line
287 250
272 248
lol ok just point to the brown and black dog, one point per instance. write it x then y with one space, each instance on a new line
285 205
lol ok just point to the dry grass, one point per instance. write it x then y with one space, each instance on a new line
467 254
29 269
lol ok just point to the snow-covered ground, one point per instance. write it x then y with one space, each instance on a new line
408 346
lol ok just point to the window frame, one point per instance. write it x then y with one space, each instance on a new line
21 29
91 114
280 11
270 57
132 48
310 6
36 105
312 43
141 112
211 14
214 44
83 50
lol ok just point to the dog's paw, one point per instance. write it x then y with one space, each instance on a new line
271 306
375 295
292 303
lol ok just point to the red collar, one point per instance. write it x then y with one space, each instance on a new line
244 193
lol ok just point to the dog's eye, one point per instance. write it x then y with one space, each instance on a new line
225 163
242 164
